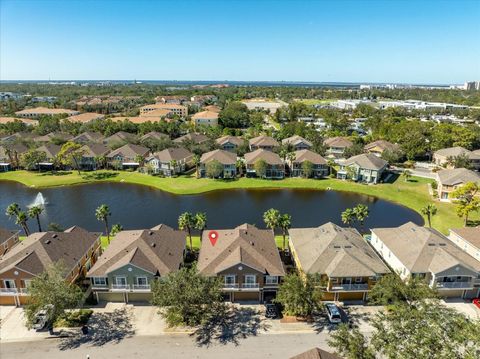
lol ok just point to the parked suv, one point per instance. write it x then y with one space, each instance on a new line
333 313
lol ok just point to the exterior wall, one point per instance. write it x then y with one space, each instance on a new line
206 121
318 170
228 146
361 174
130 272
177 110
390 258
166 169
464 245
229 171
277 171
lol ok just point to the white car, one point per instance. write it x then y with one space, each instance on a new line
42 317
333 313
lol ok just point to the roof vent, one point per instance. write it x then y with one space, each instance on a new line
431 244
442 244
337 247
347 246
150 233
252 243
47 241
54 235
153 245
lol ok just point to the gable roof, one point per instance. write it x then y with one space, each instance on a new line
244 244
338 142
6 234
89 136
172 153
295 140
39 250
263 141
94 150
50 149
85 117
423 250
260 154
316 353
456 151
456 176
366 160
238 141
129 150
157 250
154 135
19 148
224 157
307 155
192 136
335 251
205 115
468 234
120 136
50 136
382 144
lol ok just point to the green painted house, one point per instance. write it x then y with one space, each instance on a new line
136 258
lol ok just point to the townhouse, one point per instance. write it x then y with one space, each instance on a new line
246 259
263 142
85 117
380 146
205 118
230 143
444 156
227 160
120 138
8 239
127 156
93 156
275 168
170 161
467 239
347 265
451 179
154 116
77 248
366 167
412 250
176 109
53 136
131 263
319 167
26 121
51 151
88 137
44 111
10 154
193 137
336 146
298 143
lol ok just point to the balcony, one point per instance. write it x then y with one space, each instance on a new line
349 287
8 291
250 286
141 288
228 286
454 285
120 287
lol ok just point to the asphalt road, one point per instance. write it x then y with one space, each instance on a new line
170 346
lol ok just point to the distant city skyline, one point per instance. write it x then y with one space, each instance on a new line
417 42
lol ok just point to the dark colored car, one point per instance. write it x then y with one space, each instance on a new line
271 311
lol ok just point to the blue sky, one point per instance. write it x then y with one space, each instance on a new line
350 41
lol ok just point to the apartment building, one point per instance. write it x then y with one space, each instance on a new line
176 109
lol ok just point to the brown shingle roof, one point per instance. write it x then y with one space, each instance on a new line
120 136
238 141
270 157
94 150
316 353
173 153
366 160
89 137
154 135
382 144
157 250
338 142
335 251
307 155
129 150
50 149
295 140
244 244
6 234
224 157
469 234
197 138
263 141
40 250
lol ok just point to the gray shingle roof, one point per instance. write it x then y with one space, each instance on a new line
264 141
295 140
338 142
469 234
457 151
456 176
232 139
260 154
197 138
367 161
307 155
6 234
173 153
94 150
129 150
224 157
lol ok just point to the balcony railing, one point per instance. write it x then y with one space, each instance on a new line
454 285
8 291
120 287
349 287
250 285
230 286
141 287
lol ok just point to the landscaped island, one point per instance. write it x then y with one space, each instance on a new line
413 194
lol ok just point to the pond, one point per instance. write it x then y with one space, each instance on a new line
135 206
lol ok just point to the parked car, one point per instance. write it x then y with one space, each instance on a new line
42 317
333 313
271 311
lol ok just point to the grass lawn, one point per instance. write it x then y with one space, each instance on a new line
412 194
314 101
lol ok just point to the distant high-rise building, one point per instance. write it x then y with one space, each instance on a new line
472 85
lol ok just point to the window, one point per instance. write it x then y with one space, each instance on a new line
9 283
358 280
250 279
121 281
26 283
229 279
142 281
99 281
270 279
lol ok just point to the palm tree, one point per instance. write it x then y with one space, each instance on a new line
115 229
290 158
272 218
21 218
348 216
361 213
429 210
196 162
173 166
186 221
200 221
407 174
239 165
35 212
285 222
102 213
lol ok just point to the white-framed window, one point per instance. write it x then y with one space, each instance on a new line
142 281
27 282
9 283
271 279
99 281
229 279
250 279
121 281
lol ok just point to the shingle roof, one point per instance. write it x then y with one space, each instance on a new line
17 147
338 142
456 151
173 153
129 150
6 234
49 136
50 149
205 115
244 244
366 160
224 157
195 137
40 250
263 141
307 155
85 117
295 140
316 353
260 154
94 150
229 139
384 145
335 251
154 135
469 234
456 176
89 136
120 136
157 250
423 250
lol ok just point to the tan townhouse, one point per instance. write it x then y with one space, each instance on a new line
380 146
230 143
467 239
445 155
227 160
205 118
336 146
275 167
366 167
127 156
44 111
176 109
319 164
297 142
170 161
451 179
263 142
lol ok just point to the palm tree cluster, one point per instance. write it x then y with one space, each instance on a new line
21 217
274 219
358 213
188 221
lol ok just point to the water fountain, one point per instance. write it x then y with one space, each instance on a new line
39 200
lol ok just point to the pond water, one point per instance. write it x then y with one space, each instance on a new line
135 206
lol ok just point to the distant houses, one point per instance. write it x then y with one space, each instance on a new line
336 146
274 166
170 161
225 160
176 109
367 168
44 111
205 118
451 179
444 157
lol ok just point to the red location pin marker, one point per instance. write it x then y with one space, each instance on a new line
213 236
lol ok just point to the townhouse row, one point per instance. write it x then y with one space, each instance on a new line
247 260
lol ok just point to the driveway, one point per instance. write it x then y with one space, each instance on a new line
465 307
13 326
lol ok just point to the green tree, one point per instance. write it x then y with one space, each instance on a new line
234 115
214 169
361 214
21 218
186 222
173 166
260 168
271 218
429 211
299 296
116 228
196 163
467 200
350 344
460 161
284 223
200 221
102 213
407 174
185 297
30 159
51 289
239 164
70 155
348 216
35 212
307 169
